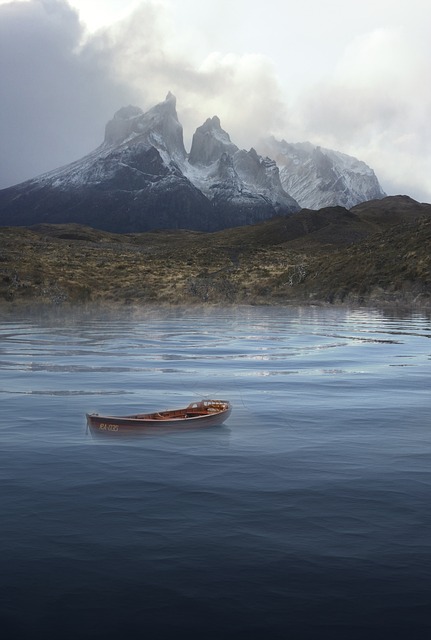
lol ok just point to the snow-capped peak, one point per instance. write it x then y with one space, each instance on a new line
317 177
158 127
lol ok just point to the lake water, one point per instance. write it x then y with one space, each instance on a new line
307 515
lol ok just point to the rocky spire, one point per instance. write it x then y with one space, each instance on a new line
210 141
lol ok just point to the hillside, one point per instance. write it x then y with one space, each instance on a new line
376 253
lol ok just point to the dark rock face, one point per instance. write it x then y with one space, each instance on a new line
209 143
166 203
232 199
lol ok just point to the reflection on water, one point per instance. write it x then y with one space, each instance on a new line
305 515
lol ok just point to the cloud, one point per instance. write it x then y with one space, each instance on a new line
56 96
241 89
64 84
376 106
61 84
244 91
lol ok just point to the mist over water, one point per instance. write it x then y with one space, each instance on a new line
306 515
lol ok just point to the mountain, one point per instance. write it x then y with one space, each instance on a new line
132 182
317 177
236 180
141 178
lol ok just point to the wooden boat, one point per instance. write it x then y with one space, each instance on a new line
197 414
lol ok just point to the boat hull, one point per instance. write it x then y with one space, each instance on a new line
196 415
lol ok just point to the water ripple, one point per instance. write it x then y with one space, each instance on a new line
306 513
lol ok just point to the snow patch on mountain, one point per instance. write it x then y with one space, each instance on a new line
143 145
223 172
158 127
317 177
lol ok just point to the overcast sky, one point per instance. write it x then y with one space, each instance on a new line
348 75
